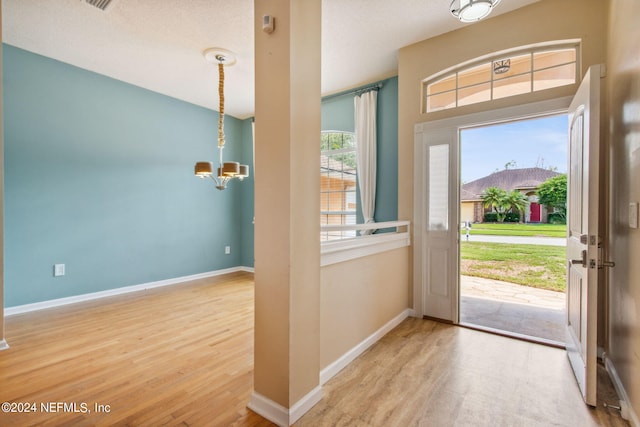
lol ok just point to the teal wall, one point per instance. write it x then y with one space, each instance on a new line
99 176
337 114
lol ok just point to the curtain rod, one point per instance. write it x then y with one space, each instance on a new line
358 91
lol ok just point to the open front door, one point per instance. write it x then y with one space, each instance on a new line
582 233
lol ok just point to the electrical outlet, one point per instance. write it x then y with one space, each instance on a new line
58 270
227 250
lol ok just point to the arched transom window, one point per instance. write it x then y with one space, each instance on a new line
518 72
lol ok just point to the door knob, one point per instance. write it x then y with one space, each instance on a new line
582 261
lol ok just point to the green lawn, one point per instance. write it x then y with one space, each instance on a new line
514 229
531 265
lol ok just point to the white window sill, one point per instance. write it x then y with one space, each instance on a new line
333 252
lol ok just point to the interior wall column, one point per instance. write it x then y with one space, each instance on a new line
287 206
3 342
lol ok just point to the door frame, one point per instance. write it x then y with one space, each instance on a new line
452 126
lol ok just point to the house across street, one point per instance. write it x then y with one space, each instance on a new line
525 180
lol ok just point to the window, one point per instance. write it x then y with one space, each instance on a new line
501 77
337 182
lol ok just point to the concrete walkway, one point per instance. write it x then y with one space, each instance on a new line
521 240
513 308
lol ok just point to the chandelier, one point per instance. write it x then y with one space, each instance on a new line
226 171
472 10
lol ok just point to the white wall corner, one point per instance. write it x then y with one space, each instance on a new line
626 410
3 345
332 369
280 415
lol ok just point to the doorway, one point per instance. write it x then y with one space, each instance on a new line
437 210
512 248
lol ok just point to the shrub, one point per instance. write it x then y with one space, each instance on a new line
491 217
556 218
512 217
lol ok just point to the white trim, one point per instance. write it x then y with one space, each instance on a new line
269 409
347 249
26 308
3 345
303 405
626 410
330 371
280 415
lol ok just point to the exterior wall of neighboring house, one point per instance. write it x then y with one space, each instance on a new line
467 212
472 211
476 211
334 199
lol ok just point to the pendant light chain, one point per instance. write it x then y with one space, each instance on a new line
221 96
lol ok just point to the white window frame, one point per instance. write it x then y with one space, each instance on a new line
348 216
490 59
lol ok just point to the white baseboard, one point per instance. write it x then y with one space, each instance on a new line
20 309
330 371
280 415
3 345
627 411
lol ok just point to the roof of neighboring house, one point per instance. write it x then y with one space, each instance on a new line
508 179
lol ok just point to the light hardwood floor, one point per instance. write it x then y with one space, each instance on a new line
183 355
179 355
425 373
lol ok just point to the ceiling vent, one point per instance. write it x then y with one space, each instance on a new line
100 4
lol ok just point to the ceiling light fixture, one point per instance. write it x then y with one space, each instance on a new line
226 171
472 10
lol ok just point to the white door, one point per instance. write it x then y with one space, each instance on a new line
440 224
582 233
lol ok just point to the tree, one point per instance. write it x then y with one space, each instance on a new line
553 194
509 165
498 200
518 201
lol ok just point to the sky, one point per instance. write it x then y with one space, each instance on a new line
538 142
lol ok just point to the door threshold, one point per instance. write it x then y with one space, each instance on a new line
515 335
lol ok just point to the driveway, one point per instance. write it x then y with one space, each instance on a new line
522 240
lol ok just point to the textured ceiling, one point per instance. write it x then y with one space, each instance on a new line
158 44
